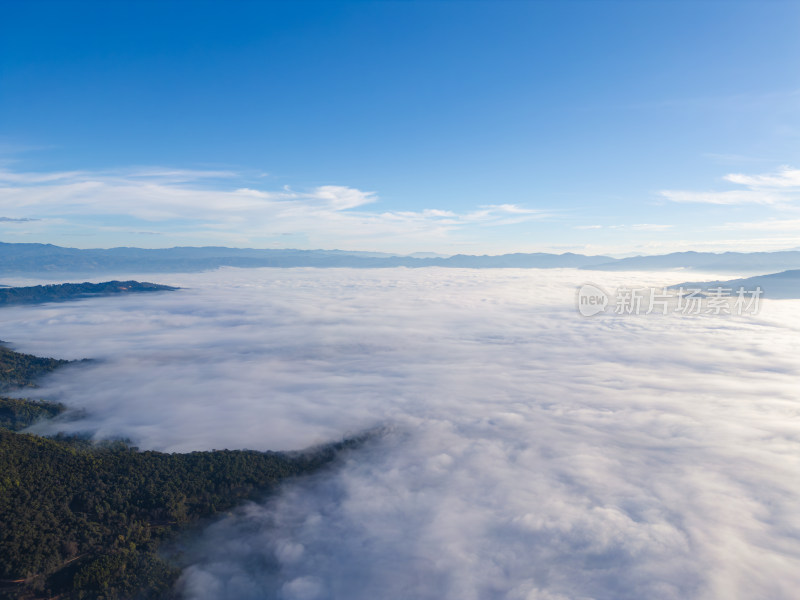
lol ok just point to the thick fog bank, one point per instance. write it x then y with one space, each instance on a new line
530 452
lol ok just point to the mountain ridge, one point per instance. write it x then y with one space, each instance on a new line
47 258
27 258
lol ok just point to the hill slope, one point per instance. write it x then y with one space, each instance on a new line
783 286
63 292
80 520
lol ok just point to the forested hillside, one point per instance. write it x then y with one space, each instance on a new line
61 292
81 520
19 370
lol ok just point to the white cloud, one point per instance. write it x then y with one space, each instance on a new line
650 227
36 178
176 175
529 452
634 227
328 215
786 177
777 188
727 197
16 220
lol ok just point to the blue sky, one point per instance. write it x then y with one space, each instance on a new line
480 127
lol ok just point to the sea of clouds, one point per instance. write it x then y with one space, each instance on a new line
526 452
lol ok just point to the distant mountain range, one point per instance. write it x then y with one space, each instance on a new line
46 258
753 262
49 259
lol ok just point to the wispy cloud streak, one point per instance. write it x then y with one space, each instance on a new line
779 188
210 203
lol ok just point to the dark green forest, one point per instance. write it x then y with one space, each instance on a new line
61 292
16 414
80 520
19 370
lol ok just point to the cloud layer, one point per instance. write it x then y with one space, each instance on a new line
213 205
528 452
